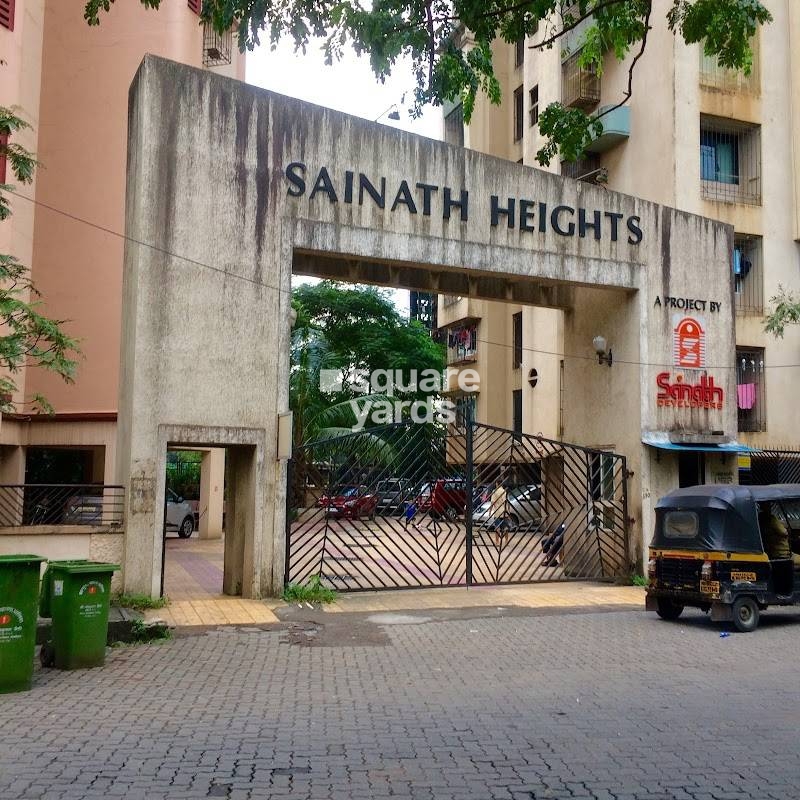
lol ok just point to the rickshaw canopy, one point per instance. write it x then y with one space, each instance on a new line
716 518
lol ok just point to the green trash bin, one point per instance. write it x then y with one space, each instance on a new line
76 595
19 593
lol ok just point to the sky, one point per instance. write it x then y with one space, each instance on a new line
348 85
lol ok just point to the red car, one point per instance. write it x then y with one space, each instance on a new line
446 497
351 502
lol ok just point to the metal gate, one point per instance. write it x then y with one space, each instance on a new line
409 505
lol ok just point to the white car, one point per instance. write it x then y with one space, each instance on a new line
180 515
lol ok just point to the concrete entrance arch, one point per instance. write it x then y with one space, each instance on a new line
231 188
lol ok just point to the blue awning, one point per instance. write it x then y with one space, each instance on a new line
662 442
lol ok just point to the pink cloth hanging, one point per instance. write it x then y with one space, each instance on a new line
746 395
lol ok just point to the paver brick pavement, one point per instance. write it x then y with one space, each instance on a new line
591 705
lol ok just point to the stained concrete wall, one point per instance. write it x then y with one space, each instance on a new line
215 228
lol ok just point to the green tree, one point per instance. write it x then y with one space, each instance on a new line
351 332
430 34
27 337
785 311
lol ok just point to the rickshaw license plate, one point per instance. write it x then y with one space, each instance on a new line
743 576
709 587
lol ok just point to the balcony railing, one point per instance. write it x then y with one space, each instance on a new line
61 504
580 86
588 169
217 48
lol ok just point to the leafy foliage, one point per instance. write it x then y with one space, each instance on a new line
449 42
313 592
785 311
138 602
28 336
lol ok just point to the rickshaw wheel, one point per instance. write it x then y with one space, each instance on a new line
745 614
668 609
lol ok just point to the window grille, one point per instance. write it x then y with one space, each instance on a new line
748 274
516 398
730 161
580 86
713 76
465 411
587 169
451 299
519 52
216 47
519 111
534 109
7 14
454 127
516 352
751 389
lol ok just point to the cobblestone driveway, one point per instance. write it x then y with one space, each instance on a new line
595 705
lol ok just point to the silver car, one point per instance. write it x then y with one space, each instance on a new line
523 509
180 515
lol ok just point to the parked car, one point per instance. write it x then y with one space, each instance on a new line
393 494
179 516
445 497
350 502
523 508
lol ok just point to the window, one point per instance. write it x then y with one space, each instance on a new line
601 476
454 127
519 52
580 86
451 299
519 101
195 5
516 399
534 109
516 353
713 76
751 389
730 161
748 275
7 14
465 411
588 169
681 524
3 160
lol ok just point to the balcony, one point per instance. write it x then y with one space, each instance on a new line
217 48
580 86
586 169
462 343
616 129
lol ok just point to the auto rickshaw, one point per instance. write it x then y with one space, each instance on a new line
730 550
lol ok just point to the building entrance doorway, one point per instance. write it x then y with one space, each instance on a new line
691 469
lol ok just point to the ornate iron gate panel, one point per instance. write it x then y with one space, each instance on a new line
409 505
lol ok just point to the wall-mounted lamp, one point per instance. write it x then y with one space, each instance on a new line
394 113
599 343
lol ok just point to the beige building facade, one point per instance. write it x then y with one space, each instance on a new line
71 83
693 136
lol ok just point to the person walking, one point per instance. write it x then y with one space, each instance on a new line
498 512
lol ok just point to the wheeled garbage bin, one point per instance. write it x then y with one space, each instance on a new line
19 595
76 595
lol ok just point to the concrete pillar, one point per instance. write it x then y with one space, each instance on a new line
212 484
240 519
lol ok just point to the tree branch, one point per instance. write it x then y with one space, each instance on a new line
628 93
556 36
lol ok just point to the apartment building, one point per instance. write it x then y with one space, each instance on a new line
694 136
70 82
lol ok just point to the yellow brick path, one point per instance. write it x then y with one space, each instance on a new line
193 582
